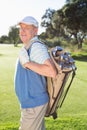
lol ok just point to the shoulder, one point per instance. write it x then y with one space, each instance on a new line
39 52
39 46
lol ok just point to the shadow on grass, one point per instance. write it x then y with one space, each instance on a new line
16 128
80 57
1 54
9 128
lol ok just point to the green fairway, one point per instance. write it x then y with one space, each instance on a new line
72 115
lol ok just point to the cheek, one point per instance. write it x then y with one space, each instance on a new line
20 34
30 33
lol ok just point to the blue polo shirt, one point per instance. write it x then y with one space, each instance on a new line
30 87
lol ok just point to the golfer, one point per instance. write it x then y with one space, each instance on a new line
32 65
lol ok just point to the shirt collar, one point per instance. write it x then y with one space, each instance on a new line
31 41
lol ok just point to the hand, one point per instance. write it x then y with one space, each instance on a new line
23 56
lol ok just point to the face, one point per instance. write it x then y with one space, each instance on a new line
27 32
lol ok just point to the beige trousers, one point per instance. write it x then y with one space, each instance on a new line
33 118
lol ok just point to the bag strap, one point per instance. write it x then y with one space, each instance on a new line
35 42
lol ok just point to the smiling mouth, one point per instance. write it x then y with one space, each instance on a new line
23 36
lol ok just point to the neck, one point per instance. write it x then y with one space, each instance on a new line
27 45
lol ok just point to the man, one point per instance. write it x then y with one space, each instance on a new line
32 66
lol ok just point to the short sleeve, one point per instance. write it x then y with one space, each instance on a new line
39 53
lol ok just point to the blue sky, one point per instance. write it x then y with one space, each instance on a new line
12 11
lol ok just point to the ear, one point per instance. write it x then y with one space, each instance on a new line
35 30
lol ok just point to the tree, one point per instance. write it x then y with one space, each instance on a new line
14 35
4 39
70 1
46 18
57 23
47 22
71 20
75 15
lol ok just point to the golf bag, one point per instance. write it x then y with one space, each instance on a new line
58 87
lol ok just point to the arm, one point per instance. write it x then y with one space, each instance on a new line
46 69
43 67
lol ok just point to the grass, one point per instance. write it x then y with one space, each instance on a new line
72 115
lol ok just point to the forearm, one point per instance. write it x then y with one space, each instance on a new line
42 69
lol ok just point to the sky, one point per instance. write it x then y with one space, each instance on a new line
12 11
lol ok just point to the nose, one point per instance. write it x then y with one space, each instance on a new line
22 29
